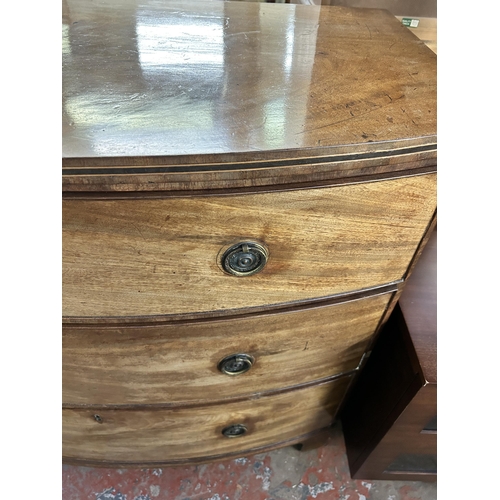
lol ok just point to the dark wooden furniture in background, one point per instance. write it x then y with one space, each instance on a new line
390 416
305 136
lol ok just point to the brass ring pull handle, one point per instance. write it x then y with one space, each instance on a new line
235 364
235 430
245 258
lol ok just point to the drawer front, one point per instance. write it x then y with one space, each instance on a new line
154 436
162 257
181 362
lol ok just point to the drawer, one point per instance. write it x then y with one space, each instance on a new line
178 363
162 257
168 436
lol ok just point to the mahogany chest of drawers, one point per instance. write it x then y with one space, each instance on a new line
246 187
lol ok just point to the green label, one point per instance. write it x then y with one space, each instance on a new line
411 23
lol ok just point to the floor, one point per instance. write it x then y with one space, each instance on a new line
284 474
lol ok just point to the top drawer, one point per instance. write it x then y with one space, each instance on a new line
161 257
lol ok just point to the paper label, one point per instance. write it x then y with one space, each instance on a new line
411 23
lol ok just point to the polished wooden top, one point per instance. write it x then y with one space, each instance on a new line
148 82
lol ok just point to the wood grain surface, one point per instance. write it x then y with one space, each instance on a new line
135 258
179 85
255 172
168 436
426 30
406 8
177 363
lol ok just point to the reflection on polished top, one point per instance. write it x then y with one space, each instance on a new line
148 78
